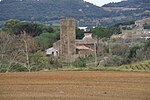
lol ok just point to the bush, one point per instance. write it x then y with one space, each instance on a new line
3 69
112 60
18 68
54 64
40 61
79 62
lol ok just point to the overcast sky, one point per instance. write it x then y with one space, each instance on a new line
101 2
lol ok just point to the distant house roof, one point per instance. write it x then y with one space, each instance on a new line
51 51
82 28
88 37
85 42
83 47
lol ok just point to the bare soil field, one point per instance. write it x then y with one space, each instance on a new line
75 85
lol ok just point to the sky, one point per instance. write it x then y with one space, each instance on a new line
101 2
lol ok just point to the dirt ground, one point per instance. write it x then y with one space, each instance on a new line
75 85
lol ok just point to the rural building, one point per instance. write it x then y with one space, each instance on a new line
52 51
68 48
139 33
139 24
146 31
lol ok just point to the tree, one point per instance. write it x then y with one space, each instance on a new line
119 49
30 28
112 60
46 40
146 26
79 33
16 51
114 30
100 33
8 27
10 51
144 52
28 46
39 61
33 29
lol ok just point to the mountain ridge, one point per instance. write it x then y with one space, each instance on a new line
52 9
130 4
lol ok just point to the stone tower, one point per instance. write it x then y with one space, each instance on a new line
67 40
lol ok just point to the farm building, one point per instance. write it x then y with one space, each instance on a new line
68 48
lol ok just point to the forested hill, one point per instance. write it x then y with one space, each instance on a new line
43 10
130 4
128 10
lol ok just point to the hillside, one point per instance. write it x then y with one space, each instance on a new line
130 4
43 10
50 11
128 10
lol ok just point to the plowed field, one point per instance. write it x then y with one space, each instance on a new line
75 85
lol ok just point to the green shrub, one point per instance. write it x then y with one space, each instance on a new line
112 60
79 62
18 68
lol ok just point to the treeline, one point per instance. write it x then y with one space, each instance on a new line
23 44
44 35
115 52
22 53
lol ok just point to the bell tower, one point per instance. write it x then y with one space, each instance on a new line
67 39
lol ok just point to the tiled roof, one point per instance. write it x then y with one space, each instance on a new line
83 47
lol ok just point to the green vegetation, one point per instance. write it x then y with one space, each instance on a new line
130 4
21 45
79 34
101 32
129 9
141 66
80 62
129 31
18 27
114 29
44 35
45 10
21 49
46 40
146 26
22 53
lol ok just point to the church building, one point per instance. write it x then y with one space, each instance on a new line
68 48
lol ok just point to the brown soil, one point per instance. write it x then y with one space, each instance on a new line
75 85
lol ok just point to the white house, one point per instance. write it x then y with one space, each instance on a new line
52 51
